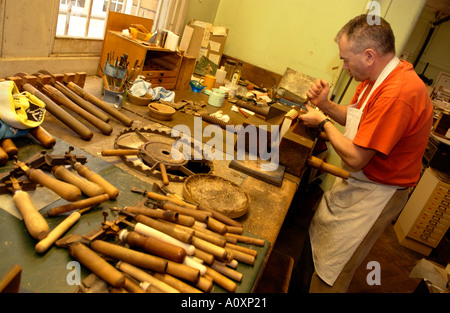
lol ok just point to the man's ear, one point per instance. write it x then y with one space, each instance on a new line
369 56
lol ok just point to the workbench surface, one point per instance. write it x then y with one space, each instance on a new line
268 203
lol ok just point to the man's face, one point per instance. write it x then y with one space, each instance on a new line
354 63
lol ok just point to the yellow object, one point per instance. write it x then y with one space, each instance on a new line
139 32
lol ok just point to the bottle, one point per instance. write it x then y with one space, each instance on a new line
230 66
237 74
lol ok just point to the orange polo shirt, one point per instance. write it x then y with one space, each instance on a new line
396 122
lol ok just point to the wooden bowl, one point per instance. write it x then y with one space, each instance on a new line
144 100
161 111
217 193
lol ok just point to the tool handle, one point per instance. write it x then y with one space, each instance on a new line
119 152
97 265
329 168
216 226
201 216
143 276
154 246
78 205
101 104
183 271
67 191
246 239
189 261
81 102
3 156
165 178
87 187
10 148
221 280
57 232
59 97
227 271
176 283
209 247
35 223
153 233
41 135
134 257
154 213
84 171
170 230
67 119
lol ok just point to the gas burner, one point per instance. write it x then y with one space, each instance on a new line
155 152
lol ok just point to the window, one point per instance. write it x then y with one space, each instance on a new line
87 18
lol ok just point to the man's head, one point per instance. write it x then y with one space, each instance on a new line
363 45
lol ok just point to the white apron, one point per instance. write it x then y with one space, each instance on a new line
350 208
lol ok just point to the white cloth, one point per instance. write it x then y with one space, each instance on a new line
350 208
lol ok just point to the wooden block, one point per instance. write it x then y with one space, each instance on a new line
17 81
58 77
80 78
30 79
69 77
295 147
44 79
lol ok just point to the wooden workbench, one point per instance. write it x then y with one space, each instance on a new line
268 204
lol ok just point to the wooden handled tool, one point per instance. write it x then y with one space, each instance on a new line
160 214
165 215
101 104
78 205
9 147
165 178
329 168
35 223
3 156
60 98
67 191
81 102
41 135
87 187
176 283
97 265
67 119
153 233
153 245
143 276
84 171
221 280
134 257
58 231
166 228
119 152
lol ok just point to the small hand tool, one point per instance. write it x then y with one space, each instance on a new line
35 223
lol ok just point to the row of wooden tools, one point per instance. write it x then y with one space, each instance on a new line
173 245
57 90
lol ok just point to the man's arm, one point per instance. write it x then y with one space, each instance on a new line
318 95
353 155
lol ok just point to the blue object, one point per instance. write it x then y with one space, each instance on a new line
196 86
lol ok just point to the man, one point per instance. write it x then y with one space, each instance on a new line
386 132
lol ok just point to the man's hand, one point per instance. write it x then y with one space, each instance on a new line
312 118
318 93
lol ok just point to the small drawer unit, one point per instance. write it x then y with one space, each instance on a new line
426 216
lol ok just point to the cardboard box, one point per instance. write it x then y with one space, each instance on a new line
204 39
